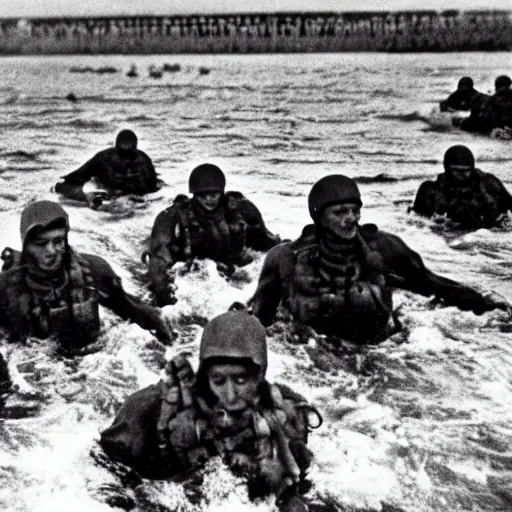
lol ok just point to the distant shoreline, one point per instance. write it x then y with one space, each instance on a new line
287 32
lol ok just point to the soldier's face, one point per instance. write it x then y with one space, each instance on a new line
234 386
341 219
209 200
47 248
461 172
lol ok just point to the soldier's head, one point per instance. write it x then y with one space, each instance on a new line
459 163
207 183
465 83
232 361
126 141
335 205
44 230
502 83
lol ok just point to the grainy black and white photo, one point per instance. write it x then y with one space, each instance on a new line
256 256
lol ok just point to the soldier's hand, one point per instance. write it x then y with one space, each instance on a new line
457 121
166 333
95 198
494 300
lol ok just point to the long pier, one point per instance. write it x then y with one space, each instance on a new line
261 33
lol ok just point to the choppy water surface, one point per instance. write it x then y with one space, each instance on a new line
421 422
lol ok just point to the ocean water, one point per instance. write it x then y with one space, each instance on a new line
420 422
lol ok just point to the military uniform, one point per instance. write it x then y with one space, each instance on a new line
343 287
494 112
67 305
116 170
463 99
175 426
186 231
475 203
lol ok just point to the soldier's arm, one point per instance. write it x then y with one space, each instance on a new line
152 182
73 182
113 296
425 201
498 194
259 237
160 257
405 269
268 295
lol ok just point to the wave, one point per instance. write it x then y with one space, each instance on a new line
408 118
87 123
23 155
379 178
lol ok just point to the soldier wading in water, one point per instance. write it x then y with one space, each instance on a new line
227 409
212 224
466 195
338 276
121 170
50 290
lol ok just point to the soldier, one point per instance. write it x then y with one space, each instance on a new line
212 224
337 277
464 98
51 290
466 195
117 171
494 112
226 409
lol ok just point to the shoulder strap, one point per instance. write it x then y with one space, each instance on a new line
176 395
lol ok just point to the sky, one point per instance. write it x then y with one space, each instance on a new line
38 8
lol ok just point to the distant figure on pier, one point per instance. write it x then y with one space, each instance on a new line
212 224
121 170
493 113
464 98
466 195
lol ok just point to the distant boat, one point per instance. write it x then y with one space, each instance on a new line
171 68
88 69
106 69
155 72
204 71
133 72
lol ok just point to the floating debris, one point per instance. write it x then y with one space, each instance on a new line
155 72
72 97
133 71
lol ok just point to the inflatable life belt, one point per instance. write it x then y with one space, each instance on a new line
357 308
73 320
263 438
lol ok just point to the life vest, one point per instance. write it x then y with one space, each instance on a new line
260 443
469 204
357 306
129 176
70 313
220 236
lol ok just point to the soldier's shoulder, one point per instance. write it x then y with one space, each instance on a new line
99 266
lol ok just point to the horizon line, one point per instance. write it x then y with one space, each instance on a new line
478 10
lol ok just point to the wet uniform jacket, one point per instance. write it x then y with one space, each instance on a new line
68 310
168 429
114 172
463 100
476 204
311 302
494 112
185 231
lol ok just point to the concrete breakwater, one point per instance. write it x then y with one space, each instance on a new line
261 33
